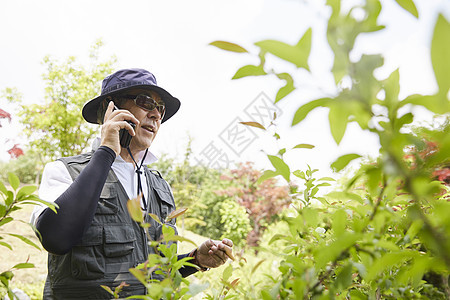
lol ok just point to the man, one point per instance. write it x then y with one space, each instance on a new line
92 240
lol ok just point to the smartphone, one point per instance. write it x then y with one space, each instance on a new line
124 135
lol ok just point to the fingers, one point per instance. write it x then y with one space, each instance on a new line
117 115
228 242
218 257
108 112
226 251
114 121
221 249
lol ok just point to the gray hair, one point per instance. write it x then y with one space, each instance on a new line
118 101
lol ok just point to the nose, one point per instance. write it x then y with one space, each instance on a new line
154 114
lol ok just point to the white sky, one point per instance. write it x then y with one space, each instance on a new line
170 38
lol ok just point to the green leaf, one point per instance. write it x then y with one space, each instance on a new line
388 260
345 196
266 175
433 103
374 176
287 89
228 46
344 277
405 119
387 245
195 288
134 209
176 214
339 220
9 198
253 124
338 118
179 239
249 70
305 109
227 272
303 146
108 289
298 54
257 265
24 266
343 161
7 274
332 251
277 237
6 245
299 174
265 295
280 166
415 227
5 221
140 275
13 180
168 232
25 240
409 6
26 191
392 89
3 188
440 58
35 200
326 179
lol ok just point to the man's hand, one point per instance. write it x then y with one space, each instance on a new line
212 254
113 122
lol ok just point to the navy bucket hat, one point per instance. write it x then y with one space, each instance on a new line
124 80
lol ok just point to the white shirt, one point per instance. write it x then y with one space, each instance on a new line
56 179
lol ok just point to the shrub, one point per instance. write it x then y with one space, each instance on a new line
11 200
25 167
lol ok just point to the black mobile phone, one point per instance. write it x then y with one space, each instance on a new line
124 135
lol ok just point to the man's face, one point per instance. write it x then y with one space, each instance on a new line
149 120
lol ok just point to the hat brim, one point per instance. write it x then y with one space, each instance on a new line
172 104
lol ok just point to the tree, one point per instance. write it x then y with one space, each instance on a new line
54 127
263 201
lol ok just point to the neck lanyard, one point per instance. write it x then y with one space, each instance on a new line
139 172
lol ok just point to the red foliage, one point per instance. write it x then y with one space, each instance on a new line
430 149
443 175
15 151
5 115
263 202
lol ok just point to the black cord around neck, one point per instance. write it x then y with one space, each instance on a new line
139 172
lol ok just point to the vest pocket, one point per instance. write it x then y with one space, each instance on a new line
119 240
87 261
108 202
167 202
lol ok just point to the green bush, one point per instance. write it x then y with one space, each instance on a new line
25 167
234 222
386 234
12 199
210 215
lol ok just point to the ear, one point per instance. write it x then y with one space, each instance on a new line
102 109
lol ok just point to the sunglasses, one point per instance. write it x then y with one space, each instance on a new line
148 103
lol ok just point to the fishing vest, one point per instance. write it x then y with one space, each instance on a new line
112 244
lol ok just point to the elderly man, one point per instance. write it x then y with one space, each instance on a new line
92 240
